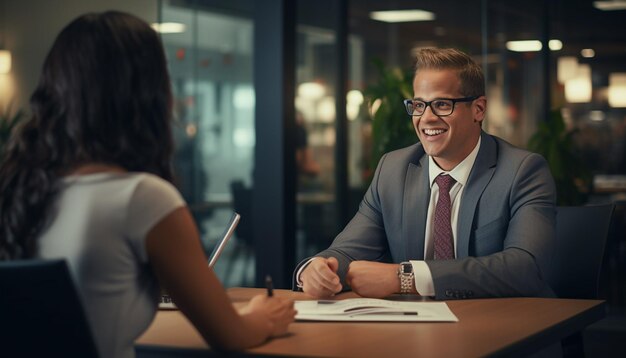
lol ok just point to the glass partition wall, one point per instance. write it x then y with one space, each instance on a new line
537 55
209 50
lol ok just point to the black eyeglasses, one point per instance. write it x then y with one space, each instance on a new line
441 107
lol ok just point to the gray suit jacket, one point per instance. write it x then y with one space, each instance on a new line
506 222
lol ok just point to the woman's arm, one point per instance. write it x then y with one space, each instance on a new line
178 260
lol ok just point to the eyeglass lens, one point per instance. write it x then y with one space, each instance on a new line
440 107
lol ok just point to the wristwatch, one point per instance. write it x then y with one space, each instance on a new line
405 273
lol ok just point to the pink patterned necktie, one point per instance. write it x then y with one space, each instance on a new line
443 241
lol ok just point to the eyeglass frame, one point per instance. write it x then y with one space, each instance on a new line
428 104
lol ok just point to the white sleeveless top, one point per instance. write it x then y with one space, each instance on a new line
99 224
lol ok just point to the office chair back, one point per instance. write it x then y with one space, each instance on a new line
242 204
41 314
581 233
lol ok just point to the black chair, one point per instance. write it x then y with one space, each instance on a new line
243 248
41 314
242 203
581 234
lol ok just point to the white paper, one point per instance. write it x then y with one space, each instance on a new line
372 309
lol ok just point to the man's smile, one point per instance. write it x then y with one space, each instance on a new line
433 132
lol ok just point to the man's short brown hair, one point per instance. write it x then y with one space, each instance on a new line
470 73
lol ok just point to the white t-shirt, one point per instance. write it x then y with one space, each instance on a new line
99 224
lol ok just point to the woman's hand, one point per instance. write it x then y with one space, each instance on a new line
279 312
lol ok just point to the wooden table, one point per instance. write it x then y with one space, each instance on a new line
499 326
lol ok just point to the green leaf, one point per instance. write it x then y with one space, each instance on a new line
391 125
556 144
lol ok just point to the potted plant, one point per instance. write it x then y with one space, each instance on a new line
391 126
555 142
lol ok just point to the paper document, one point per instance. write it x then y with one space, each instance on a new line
372 309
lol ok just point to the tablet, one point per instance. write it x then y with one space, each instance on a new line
230 230
165 301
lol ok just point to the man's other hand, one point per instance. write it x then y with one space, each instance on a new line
320 279
373 279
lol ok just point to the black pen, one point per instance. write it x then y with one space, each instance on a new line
270 286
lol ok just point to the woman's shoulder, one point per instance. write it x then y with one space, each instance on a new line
126 188
147 185
148 179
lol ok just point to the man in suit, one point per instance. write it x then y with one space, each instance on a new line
499 231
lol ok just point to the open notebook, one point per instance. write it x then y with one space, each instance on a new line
165 301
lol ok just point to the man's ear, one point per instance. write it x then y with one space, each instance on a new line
479 109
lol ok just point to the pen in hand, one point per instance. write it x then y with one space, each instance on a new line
270 285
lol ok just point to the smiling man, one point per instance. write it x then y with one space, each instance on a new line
460 214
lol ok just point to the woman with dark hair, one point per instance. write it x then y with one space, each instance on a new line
87 178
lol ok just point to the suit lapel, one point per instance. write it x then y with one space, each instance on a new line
481 174
415 207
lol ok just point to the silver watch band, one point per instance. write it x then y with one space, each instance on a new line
406 277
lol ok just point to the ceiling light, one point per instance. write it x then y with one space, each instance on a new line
532 45
168 27
587 53
610 5
555 45
402 15
524 46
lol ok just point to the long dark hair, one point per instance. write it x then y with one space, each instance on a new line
103 96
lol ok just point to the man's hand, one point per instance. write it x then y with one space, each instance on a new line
373 279
319 278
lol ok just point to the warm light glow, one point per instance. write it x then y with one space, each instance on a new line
311 90
617 90
7 90
354 100
355 97
5 61
524 46
532 45
555 45
578 89
326 110
402 15
597 116
587 53
169 27
566 68
374 106
611 5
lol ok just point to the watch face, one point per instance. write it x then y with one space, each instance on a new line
407 268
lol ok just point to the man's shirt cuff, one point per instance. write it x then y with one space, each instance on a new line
423 278
298 280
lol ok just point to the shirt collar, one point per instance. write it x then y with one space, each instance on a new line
460 173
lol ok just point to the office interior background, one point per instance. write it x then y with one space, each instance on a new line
242 71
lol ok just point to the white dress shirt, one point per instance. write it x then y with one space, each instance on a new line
423 278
